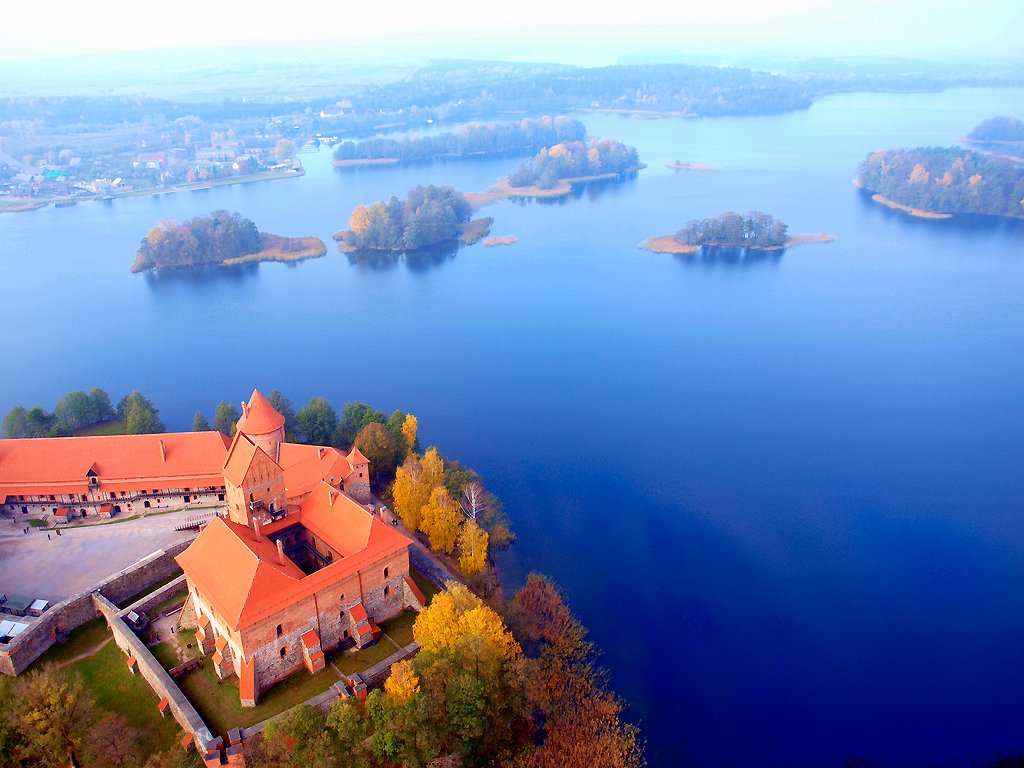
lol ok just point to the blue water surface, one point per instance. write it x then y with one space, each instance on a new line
785 492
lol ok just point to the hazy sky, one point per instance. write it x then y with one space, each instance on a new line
522 27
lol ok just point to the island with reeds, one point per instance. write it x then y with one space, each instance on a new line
219 239
756 231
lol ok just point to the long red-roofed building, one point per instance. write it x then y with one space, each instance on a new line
69 477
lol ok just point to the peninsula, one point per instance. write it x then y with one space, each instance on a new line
223 239
428 216
939 182
755 231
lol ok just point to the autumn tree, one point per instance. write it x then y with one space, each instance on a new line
347 720
441 518
409 429
299 737
378 446
415 480
458 620
114 743
472 543
402 684
53 714
225 418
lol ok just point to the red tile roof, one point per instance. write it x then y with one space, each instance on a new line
247 682
54 465
306 466
310 639
242 577
358 613
355 457
416 591
240 456
259 416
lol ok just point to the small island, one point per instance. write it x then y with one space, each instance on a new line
509 240
679 165
430 215
755 231
938 182
554 170
222 239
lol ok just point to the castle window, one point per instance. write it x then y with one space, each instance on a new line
284 651
279 633
386 590
385 573
345 635
341 597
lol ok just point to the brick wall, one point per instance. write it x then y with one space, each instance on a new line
161 683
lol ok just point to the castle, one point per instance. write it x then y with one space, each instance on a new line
296 565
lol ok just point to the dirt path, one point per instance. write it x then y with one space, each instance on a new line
85 654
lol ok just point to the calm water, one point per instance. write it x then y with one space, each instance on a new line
785 493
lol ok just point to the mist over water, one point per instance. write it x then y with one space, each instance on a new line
784 492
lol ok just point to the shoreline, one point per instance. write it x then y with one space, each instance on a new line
356 163
916 212
505 191
61 202
668 244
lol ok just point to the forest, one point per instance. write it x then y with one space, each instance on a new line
575 159
1000 129
945 180
429 215
203 240
755 230
529 134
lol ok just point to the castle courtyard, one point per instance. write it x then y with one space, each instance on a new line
61 566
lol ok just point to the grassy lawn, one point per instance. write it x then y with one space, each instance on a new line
79 641
217 701
117 690
148 590
113 427
399 628
37 523
165 654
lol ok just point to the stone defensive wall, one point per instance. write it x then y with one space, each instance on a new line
17 655
426 566
154 674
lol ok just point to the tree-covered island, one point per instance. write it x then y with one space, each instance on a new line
429 215
475 139
937 182
755 231
575 161
220 238
998 130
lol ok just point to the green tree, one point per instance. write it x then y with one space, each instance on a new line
301 738
40 423
199 423
285 407
348 721
140 416
377 445
16 423
354 417
102 408
225 418
74 411
317 421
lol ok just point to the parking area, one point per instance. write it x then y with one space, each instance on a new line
42 564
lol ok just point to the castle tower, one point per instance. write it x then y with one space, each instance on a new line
262 424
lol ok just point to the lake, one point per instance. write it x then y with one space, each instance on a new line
785 492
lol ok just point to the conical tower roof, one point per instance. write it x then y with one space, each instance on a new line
259 416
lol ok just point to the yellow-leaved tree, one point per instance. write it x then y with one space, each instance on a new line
409 428
458 620
410 493
433 470
441 517
472 548
403 683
